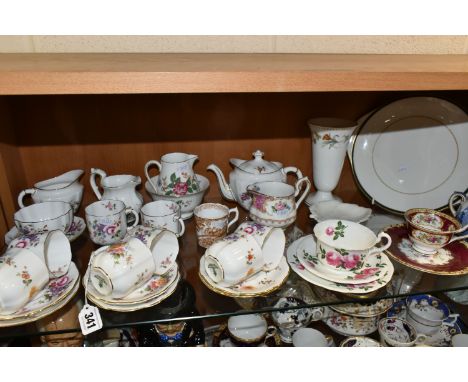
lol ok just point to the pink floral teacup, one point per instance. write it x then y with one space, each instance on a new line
345 246
107 221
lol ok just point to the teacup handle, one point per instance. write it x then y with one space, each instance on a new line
298 187
94 186
453 317
456 238
235 218
29 191
318 314
182 226
147 165
128 211
453 201
294 170
271 332
420 338
376 250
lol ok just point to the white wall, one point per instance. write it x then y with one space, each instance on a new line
238 44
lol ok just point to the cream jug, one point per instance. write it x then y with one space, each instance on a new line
118 187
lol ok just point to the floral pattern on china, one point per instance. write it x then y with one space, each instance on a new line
175 186
427 221
442 256
329 140
429 238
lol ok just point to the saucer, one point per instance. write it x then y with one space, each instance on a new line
137 306
76 229
351 326
334 209
364 288
369 271
450 260
442 338
51 298
260 284
151 289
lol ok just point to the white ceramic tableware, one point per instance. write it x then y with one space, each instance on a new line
308 337
163 245
53 248
271 240
330 137
430 230
347 325
345 245
163 214
233 259
44 217
117 187
432 139
460 340
22 276
62 188
359 342
274 203
247 172
427 314
176 175
187 202
461 213
334 209
395 332
119 269
107 221
212 222
249 329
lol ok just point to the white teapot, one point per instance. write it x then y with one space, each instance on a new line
247 172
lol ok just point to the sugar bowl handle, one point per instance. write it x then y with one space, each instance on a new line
298 187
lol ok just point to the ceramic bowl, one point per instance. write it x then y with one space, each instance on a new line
44 217
359 342
334 209
430 230
186 202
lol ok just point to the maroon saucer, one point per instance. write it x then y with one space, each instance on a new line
450 260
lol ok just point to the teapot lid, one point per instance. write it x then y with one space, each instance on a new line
258 165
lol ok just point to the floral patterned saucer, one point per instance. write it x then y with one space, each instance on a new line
450 260
364 288
153 288
137 306
221 339
76 229
51 298
351 326
442 338
369 271
260 284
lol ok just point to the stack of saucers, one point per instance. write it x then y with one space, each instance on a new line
247 263
342 257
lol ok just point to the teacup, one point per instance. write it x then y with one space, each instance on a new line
427 314
163 214
117 270
212 222
233 259
460 340
53 248
249 329
308 337
271 240
395 332
44 217
22 275
345 245
430 230
107 221
163 245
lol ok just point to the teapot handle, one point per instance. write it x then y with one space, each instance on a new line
94 186
147 165
298 187
453 201
29 191
295 170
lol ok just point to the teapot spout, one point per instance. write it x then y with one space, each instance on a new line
223 185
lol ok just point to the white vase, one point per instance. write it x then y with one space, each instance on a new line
330 137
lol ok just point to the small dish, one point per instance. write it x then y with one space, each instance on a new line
359 342
334 209
351 326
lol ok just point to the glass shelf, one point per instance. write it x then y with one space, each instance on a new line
193 302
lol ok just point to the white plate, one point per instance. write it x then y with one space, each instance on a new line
260 284
334 209
372 286
412 153
370 271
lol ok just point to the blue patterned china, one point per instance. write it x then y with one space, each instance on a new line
462 212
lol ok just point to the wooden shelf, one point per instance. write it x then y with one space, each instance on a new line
223 73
